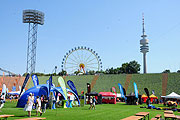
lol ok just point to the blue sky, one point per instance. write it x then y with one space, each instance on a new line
110 27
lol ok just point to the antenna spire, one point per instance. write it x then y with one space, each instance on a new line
143 23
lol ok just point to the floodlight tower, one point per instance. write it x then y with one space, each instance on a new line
33 17
144 48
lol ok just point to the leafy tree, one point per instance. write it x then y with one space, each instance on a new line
91 72
178 71
63 72
133 67
166 71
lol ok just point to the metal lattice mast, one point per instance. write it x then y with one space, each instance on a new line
33 17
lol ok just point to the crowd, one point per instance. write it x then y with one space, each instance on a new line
40 105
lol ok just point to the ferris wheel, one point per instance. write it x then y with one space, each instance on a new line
82 59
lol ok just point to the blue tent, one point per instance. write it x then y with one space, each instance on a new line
41 90
37 90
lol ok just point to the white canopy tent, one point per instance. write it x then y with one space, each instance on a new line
173 95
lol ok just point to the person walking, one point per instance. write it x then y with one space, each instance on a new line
94 103
90 101
30 103
38 107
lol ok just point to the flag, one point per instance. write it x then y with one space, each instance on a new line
50 83
121 90
135 90
153 92
114 90
147 92
35 80
72 86
24 84
63 86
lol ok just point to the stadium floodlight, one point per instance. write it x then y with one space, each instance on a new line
33 17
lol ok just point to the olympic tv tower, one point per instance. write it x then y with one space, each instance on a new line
144 48
33 17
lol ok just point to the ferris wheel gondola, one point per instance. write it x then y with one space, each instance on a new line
82 59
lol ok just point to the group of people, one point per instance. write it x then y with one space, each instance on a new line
2 98
40 104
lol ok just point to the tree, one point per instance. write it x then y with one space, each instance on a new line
91 72
133 67
63 72
166 71
178 71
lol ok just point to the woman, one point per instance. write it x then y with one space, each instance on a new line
30 103
38 108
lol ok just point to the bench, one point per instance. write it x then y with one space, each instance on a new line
133 118
158 116
5 116
33 118
153 118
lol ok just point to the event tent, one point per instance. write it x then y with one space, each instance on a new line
38 91
153 97
108 97
14 93
173 95
42 90
144 98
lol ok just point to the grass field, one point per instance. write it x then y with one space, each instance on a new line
102 112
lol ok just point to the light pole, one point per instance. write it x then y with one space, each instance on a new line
33 17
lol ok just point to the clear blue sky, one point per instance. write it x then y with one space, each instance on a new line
111 27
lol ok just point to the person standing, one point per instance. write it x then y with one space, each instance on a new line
38 107
45 101
30 103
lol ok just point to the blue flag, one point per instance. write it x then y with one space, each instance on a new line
72 86
35 80
50 83
24 84
121 90
135 90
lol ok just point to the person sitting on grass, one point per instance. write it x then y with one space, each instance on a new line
38 107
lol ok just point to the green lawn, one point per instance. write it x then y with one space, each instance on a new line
102 112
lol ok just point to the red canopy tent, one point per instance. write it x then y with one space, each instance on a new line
144 97
152 98
108 97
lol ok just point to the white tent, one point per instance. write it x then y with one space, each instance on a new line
173 95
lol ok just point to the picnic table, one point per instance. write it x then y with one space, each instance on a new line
5 116
171 116
144 114
168 111
33 118
133 118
